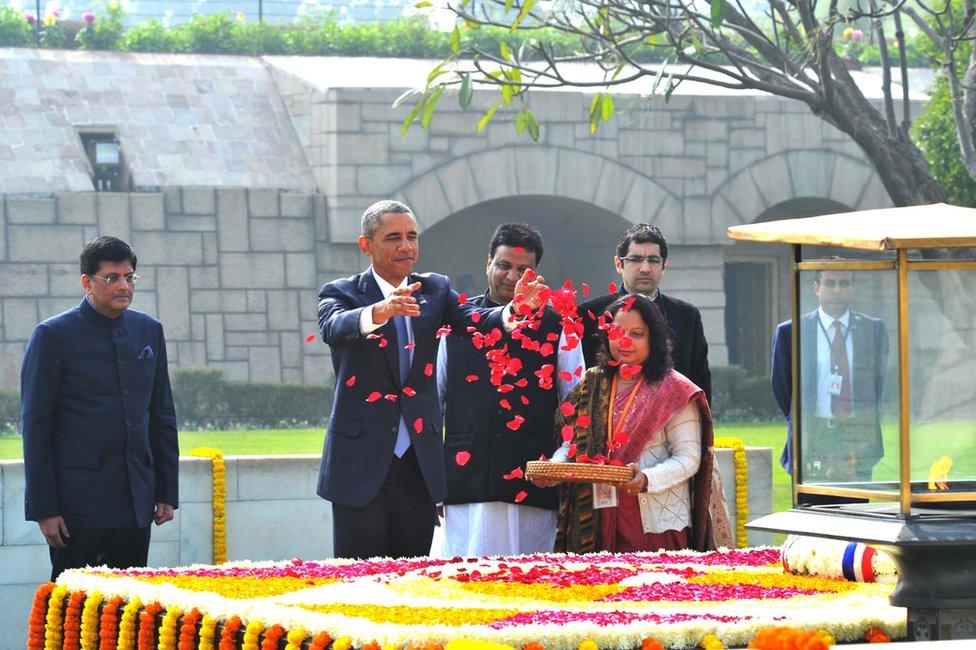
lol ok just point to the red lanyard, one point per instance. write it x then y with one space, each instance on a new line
611 433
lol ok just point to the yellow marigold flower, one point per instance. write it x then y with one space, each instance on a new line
848 33
588 644
712 642
342 643
49 20
474 644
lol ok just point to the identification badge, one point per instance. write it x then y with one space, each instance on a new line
604 495
835 383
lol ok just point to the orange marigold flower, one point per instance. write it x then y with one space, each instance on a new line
788 638
650 643
533 645
228 636
372 645
272 636
188 630
108 624
876 635
72 621
320 642
147 627
38 616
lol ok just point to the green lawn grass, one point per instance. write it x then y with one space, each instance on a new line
309 441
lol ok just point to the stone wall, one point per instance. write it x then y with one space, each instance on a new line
232 273
272 514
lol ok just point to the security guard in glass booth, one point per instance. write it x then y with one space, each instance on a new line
101 455
844 355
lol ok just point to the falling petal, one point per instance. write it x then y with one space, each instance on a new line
375 395
429 369
444 330
621 437
471 378
462 458
310 338
586 289
410 346
524 400
612 287
520 497
514 474
409 392
565 376
567 433
475 316
462 298
351 381
583 420
418 425
567 408
515 423
390 397
505 404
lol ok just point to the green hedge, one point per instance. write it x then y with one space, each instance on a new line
205 401
738 396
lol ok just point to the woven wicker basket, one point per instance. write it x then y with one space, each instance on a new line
577 472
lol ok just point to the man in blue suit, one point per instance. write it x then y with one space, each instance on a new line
101 455
844 355
383 457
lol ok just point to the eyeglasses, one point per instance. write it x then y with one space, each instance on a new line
638 260
112 278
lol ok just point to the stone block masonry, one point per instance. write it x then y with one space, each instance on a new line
250 277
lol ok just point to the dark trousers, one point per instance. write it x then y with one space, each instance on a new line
116 548
398 522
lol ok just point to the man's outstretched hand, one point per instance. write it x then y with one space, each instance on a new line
530 290
400 303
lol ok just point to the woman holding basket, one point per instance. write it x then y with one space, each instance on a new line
635 409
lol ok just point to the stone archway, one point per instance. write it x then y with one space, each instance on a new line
579 240
518 171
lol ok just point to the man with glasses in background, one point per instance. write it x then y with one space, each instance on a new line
101 456
642 257
843 356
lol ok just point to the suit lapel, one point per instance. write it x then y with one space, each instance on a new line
370 293
423 337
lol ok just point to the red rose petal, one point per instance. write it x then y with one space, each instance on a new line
429 369
621 437
471 378
443 331
520 497
524 400
612 287
586 289
375 395
462 298
390 397
462 458
565 376
572 451
505 404
476 317
515 423
583 420
567 433
514 474
418 425
310 338
567 408
351 381
409 392
410 346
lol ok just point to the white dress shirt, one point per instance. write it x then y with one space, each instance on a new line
825 328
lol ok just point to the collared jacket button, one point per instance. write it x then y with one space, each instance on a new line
125 391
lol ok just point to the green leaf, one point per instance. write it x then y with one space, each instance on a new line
464 95
402 98
490 113
508 5
412 115
531 124
506 91
520 122
470 24
423 4
659 76
456 40
718 12
671 87
617 71
436 72
505 52
429 108
595 105
523 12
606 109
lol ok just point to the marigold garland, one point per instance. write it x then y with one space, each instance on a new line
251 635
534 645
712 642
89 622
342 643
320 642
188 630
108 624
273 635
588 644
788 638
168 629
147 626
208 633
876 635
37 620
295 638
650 643
72 621
219 500
741 485
127 625
228 635
53 623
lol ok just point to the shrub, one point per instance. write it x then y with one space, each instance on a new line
101 31
204 400
152 36
9 411
211 34
935 134
738 396
15 30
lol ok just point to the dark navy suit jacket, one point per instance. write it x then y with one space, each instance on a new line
870 349
361 435
100 444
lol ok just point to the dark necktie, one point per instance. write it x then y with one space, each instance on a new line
403 355
840 405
